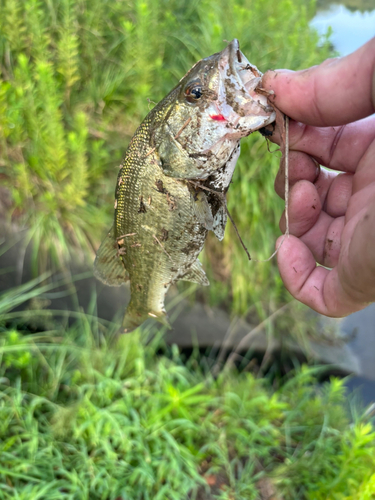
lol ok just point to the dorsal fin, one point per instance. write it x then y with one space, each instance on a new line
108 266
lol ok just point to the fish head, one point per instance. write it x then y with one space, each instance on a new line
216 104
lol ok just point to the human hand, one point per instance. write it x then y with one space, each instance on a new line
331 212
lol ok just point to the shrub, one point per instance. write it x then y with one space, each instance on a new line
76 78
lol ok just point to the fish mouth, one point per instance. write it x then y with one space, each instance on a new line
239 103
236 58
241 69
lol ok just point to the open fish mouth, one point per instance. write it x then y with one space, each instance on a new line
239 104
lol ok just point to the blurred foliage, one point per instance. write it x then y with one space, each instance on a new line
353 5
76 77
87 414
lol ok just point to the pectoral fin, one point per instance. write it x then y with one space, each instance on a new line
202 210
108 266
196 274
219 223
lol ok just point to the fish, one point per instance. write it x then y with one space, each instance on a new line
173 180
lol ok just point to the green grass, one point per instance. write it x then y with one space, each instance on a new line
75 82
85 414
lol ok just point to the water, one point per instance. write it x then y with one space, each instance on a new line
350 28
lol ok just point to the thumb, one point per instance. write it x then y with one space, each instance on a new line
336 92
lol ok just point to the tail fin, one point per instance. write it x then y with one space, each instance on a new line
133 318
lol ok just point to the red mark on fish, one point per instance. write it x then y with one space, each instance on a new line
218 118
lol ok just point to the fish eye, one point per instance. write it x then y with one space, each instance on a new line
193 92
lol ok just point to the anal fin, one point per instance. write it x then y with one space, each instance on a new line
196 274
108 265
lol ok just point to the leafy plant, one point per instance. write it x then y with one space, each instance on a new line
87 414
76 79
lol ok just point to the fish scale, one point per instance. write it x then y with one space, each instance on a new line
163 209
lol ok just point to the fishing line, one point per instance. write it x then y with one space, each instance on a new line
286 187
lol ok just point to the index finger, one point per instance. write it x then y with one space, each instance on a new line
339 148
336 92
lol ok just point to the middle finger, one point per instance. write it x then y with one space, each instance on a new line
334 189
338 148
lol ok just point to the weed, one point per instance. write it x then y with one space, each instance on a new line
87 414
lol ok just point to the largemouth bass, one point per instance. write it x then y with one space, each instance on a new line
173 178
